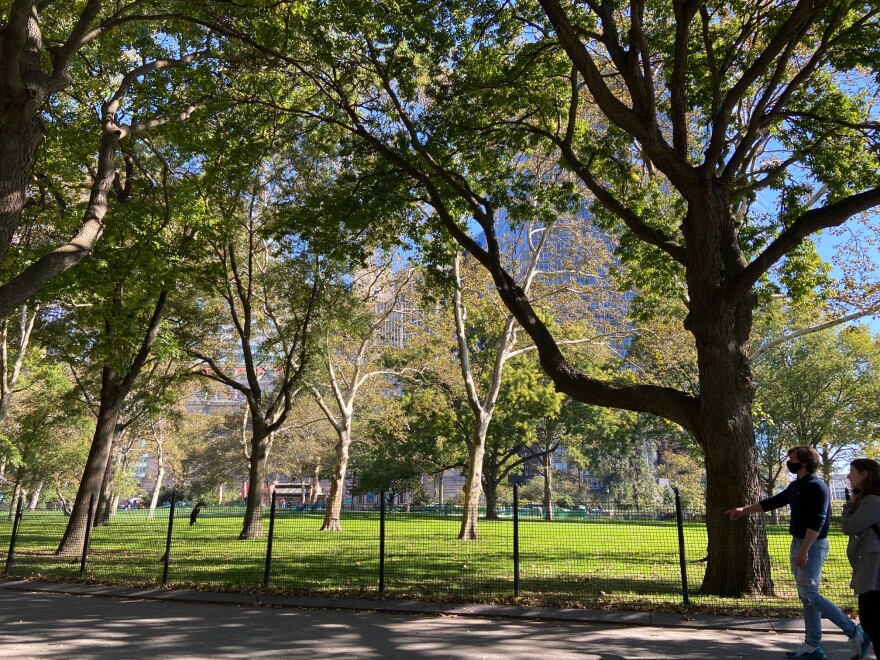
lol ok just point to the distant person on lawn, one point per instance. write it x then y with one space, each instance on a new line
861 522
810 502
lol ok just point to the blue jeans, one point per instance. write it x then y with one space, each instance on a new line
815 605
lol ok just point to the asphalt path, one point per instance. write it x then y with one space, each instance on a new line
46 625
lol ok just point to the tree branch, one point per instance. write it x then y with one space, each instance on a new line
831 215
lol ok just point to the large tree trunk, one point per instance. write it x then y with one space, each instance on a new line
737 562
547 460
333 514
472 488
20 135
827 464
96 464
253 515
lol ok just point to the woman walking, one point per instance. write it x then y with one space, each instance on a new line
861 522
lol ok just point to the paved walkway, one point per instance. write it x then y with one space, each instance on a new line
46 620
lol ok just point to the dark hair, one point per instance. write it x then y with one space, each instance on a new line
871 484
806 456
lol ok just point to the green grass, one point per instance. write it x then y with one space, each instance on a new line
625 564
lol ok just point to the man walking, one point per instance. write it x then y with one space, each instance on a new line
810 503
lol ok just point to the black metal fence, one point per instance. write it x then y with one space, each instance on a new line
611 555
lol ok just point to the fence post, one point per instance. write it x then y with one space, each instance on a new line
516 539
382 542
166 558
269 541
88 537
679 520
14 534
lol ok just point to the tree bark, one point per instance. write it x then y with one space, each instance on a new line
114 390
261 441
721 328
547 460
92 480
160 462
21 132
490 490
104 510
438 487
16 494
472 489
35 497
333 514
154 497
316 491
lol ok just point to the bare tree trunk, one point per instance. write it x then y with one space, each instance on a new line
333 514
20 135
8 378
220 498
490 490
721 330
154 497
547 460
114 390
159 439
827 464
472 490
16 494
316 487
35 497
65 506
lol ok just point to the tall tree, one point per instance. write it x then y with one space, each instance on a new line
676 118
271 294
353 360
520 432
111 332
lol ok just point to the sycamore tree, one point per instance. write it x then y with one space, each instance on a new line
352 363
522 430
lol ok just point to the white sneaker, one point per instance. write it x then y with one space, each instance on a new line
807 652
859 644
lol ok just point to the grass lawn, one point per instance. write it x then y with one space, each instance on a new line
623 564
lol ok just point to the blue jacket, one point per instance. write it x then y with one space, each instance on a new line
810 502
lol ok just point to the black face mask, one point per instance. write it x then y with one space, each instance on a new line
793 467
